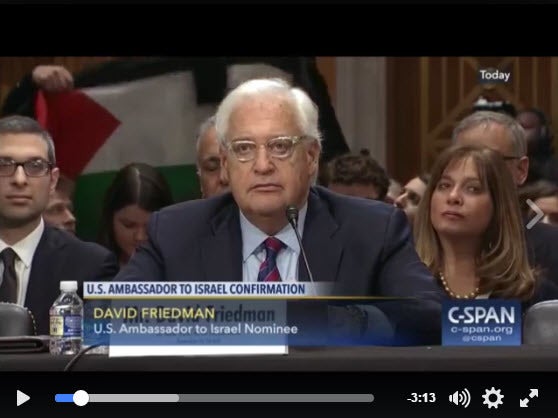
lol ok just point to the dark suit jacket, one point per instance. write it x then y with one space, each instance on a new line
61 256
542 244
544 290
364 246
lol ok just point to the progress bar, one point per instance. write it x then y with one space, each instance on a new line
82 398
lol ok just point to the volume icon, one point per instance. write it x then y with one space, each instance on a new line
461 398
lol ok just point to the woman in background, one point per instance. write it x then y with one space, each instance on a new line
137 190
470 233
409 199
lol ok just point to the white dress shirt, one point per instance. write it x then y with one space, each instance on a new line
253 250
25 250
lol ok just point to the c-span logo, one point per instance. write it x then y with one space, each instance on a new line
481 322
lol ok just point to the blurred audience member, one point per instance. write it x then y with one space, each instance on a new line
358 175
544 194
412 195
505 135
542 162
394 191
137 190
60 208
469 230
212 182
500 133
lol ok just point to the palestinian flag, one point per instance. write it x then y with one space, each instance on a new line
149 110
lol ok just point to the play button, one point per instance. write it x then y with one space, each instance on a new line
22 398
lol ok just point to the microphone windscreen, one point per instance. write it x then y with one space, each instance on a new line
292 212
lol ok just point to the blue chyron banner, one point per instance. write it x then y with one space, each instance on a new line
303 322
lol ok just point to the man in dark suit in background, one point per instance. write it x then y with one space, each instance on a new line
270 148
34 258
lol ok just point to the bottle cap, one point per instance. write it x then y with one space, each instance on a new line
68 286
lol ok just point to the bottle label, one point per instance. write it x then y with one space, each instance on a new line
57 326
65 326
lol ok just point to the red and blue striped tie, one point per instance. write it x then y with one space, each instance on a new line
268 269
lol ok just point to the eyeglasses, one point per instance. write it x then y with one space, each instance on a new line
510 157
281 147
36 167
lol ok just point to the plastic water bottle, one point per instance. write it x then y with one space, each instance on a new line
66 320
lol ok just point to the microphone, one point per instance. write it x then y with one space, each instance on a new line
292 217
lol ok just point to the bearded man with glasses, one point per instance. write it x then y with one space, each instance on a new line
34 257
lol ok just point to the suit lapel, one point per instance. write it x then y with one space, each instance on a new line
323 247
222 249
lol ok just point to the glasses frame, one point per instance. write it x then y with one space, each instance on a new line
295 140
16 164
510 158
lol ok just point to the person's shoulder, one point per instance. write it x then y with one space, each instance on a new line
347 206
196 205
198 210
69 242
544 290
543 231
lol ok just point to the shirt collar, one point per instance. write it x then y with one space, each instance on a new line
253 237
25 249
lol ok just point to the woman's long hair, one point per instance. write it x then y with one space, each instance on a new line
502 262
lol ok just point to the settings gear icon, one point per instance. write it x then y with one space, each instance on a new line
493 398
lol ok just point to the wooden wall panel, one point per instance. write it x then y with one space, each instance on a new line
403 117
446 88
